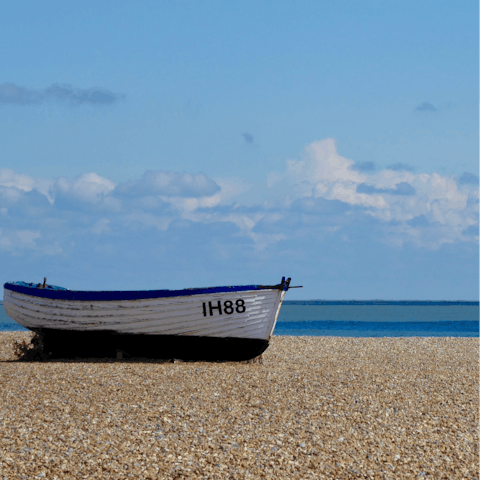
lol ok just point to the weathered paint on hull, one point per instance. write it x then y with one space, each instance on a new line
188 315
106 344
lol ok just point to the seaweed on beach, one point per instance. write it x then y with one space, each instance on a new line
30 351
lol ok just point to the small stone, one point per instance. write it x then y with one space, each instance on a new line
117 414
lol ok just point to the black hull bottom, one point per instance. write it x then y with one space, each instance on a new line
107 344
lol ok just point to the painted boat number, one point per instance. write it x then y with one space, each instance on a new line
228 307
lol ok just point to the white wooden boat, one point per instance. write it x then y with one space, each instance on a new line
216 323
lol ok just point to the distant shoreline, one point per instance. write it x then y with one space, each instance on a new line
441 303
468 303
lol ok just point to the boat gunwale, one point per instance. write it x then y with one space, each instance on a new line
59 293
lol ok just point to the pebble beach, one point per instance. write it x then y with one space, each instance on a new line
317 407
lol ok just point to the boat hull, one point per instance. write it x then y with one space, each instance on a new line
223 323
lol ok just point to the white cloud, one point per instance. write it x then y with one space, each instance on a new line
322 163
388 195
319 195
88 187
26 183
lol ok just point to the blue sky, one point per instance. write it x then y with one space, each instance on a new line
181 144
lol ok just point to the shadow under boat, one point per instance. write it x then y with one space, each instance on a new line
68 344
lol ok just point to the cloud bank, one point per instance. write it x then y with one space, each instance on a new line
318 204
321 193
12 94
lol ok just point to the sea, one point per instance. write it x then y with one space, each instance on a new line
353 318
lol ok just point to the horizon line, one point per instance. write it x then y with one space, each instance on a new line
373 300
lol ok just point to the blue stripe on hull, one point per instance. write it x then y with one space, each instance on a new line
59 293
